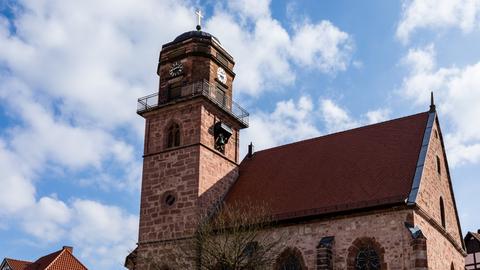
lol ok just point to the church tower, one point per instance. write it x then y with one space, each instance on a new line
191 151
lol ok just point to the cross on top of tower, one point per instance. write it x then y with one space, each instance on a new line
199 18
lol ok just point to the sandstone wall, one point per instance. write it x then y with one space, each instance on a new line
435 185
441 253
386 228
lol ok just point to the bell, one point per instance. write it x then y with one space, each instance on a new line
221 139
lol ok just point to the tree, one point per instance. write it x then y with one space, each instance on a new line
232 237
235 239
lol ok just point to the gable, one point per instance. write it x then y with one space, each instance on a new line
364 167
14 264
435 192
65 261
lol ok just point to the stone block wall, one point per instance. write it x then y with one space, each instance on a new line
186 114
435 185
172 173
440 251
216 177
178 254
385 228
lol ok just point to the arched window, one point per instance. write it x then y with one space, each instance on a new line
366 253
367 259
442 212
452 267
290 259
173 135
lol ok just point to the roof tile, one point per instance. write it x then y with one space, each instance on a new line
17 264
363 167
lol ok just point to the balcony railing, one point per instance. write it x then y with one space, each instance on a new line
202 88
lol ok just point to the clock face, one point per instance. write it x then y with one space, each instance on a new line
221 75
176 69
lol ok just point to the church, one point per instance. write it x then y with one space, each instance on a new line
374 197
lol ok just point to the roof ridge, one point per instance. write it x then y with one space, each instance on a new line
340 132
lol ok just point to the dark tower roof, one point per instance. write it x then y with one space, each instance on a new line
192 34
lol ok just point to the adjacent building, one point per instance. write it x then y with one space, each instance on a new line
472 242
59 260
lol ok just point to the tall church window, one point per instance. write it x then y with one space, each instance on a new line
367 259
173 135
439 168
442 212
290 259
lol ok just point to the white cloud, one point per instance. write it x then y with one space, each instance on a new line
298 120
18 192
322 46
267 55
335 118
261 55
377 116
95 61
253 9
457 91
290 121
45 220
421 60
43 137
437 14
103 233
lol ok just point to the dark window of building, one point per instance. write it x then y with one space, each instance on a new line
366 253
173 135
367 259
220 96
175 91
442 212
222 133
169 198
222 59
439 168
436 134
250 249
290 259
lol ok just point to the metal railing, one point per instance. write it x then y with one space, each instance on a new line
202 88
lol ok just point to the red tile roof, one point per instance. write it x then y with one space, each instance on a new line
43 262
58 260
17 264
363 167
66 261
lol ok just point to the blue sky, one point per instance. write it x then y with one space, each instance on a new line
71 71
